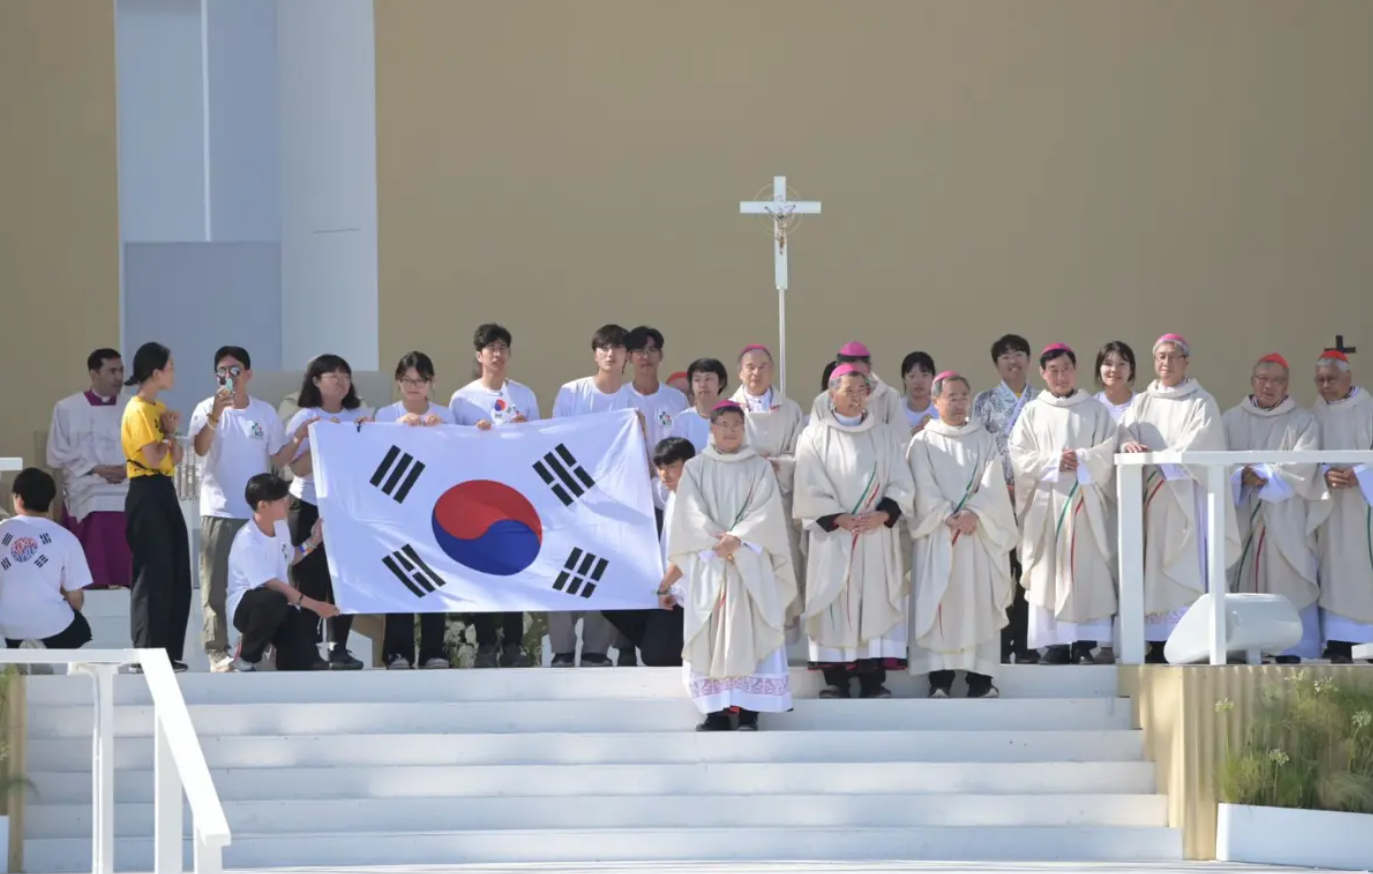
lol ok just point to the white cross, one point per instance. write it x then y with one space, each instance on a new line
782 211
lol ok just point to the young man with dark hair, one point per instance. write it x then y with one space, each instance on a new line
603 392
495 400
658 402
42 570
708 380
239 437
83 443
266 609
998 409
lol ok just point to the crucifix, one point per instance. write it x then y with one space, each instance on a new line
786 214
1340 347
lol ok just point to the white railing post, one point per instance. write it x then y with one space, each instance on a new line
1217 498
1130 545
208 859
168 844
102 767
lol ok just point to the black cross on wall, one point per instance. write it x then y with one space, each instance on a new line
1340 347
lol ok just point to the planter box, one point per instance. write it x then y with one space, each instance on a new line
1305 838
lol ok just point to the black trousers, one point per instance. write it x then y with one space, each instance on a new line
311 574
74 636
512 628
160 598
399 639
1015 636
656 634
264 616
867 680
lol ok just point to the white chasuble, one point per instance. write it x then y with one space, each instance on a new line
856 584
84 435
1181 418
885 404
735 608
1066 543
1344 540
1277 521
773 433
961 583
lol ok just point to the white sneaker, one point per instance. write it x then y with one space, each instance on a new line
239 665
398 663
436 664
221 663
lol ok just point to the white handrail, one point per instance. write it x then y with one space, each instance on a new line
178 763
1130 530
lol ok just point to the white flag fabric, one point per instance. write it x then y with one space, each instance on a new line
545 516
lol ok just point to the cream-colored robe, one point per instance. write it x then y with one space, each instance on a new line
1067 546
1181 418
885 404
773 434
856 583
734 610
1345 539
81 438
961 585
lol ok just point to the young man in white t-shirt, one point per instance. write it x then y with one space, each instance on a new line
238 436
266 609
708 381
603 392
42 570
493 400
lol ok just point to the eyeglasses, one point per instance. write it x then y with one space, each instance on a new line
414 383
234 371
337 377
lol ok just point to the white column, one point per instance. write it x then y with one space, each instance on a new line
1130 540
1217 499
327 59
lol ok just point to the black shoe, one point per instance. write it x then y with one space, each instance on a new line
626 658
486 656
179 667
835 691
1154 655
340 659
1028 657
1056 655
318 664
748 720
878 691
1081 653
987 691
940 691
718 721
514 656
1287 660
595 660
564 660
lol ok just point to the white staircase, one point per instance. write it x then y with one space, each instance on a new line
585 765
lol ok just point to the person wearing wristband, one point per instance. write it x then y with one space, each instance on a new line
160 598
265 608
239 437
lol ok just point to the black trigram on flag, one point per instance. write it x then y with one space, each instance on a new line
396 474
5 563
580 574
40 561
5 541
45 539
564 475
411 570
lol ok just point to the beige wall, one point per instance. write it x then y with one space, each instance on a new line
59 213
1072 170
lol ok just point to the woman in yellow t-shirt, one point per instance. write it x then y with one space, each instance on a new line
160 598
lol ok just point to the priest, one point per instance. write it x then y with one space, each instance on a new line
1278 506
729 539
1345 414
83 443
1175 413
964 530
774 424
1062 450
886 404
852 488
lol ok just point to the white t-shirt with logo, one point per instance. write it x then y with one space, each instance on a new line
256 559
474 402
38 559
659 409
581 397
694 427
395 412
243 448
914 419
303 487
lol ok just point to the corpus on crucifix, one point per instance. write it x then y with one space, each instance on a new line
785 214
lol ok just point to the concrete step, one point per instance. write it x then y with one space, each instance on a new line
576 781
1023 844
135 819
74 754
530 684
616 715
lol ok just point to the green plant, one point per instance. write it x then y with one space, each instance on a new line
460 639
1308 746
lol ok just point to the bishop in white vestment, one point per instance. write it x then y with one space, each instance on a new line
963 529
852 488
1345 539
1278 506
84 443
1175 413
728 537
1062 451
886 404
